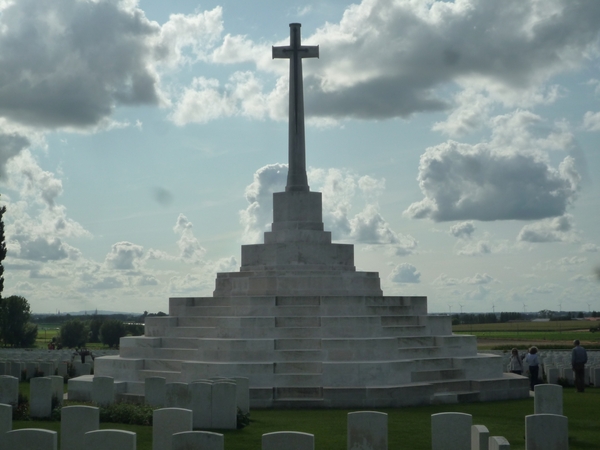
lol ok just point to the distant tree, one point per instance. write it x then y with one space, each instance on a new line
111 332
15 329
580 315
73 333
95 325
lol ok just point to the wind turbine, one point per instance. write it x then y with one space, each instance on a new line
461 307
494 308
524 308
450 308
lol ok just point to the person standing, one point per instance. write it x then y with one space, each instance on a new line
578 360
515 364
533 361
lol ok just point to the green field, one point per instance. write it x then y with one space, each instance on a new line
558 334
409 428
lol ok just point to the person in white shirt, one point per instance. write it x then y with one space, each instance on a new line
533 360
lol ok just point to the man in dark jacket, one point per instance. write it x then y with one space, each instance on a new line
578 360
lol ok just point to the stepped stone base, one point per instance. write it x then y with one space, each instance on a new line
315 352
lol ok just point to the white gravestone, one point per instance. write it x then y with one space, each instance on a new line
288 440
243 394
499 443
177 395
58 384
16 370
80 389
201 404
367 430
103 391
224 406
5 418
546 432
75 421
63 369
29 438
109 440
82 368
30 369
47 368
194 440
548 399
165 423
40 397
9 390
154 391
596 376
3 367
480 436
567 374
553 374
451 431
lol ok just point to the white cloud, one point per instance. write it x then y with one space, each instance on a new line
591 121
462 230
476 249
189 247
124 256
478 278
405 273
589 247
508 178
557 229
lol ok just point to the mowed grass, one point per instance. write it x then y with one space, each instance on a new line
408 428
558 334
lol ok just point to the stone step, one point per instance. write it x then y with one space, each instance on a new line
436 375
227 321
305 367
298 379
168 375
296 322
170 365
444 398
298 301
292 403
297 344
298 393
184 354
416 341
174 342
299 355
388 321
419 352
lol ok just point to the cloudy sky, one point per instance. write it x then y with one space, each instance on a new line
456 145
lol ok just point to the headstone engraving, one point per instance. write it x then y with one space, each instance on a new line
154 391
165 423
40 398
223 406
367 430
201 404
451 431
103 390
546 432
177 395
75 422
548 399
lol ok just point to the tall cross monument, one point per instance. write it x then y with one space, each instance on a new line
296 180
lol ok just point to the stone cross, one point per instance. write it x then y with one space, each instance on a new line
296 180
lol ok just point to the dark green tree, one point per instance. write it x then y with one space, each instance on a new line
16 331
95 325
111 332
73 333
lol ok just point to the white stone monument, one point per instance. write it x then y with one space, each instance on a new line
367 430
288 440
303 325
165 423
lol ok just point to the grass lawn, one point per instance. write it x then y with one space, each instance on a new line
409 428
